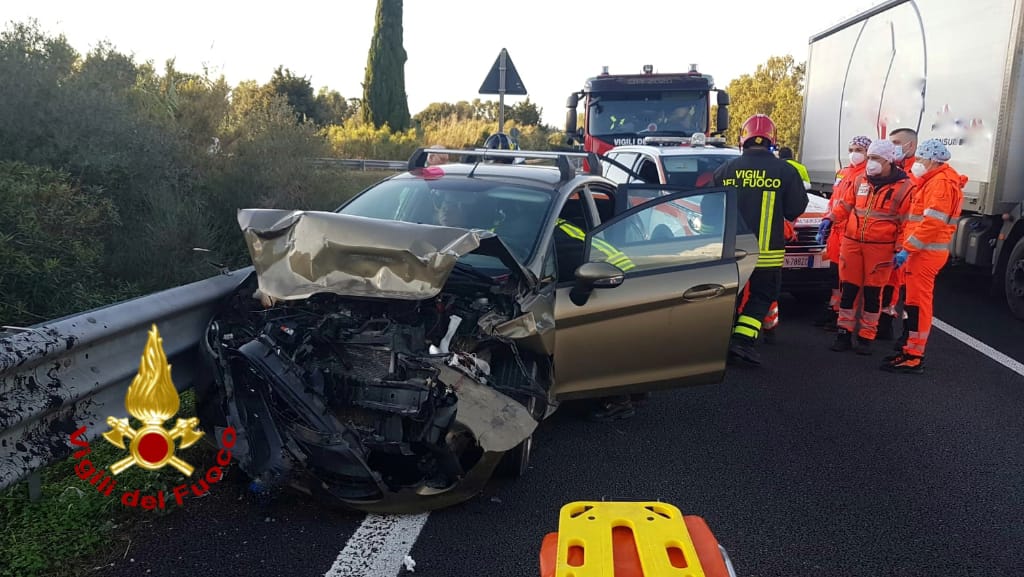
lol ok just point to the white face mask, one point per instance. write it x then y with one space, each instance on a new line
899 153
874 167
856 157
918 169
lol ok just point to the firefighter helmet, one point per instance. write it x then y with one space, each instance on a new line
500 141
760 129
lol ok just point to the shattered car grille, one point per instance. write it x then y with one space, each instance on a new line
364 399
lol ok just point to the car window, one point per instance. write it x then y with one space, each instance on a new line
684 231
513 211
648 171
616 174
694 170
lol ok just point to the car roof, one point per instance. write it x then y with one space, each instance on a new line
537 175
677 150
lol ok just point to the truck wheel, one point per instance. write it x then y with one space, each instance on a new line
1015 280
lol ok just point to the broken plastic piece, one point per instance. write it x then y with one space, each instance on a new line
453 325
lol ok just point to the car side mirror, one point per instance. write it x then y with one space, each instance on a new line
595 275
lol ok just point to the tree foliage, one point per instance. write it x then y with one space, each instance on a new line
384 97
775 89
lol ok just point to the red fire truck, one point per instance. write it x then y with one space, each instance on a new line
623 109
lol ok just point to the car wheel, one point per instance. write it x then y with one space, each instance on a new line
515 462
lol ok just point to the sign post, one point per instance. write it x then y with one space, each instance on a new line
501 80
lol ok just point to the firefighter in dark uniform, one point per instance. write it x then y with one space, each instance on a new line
770 192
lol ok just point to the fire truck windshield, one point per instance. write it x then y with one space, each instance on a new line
679 113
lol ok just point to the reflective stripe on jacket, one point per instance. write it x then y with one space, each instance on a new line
612 255
770 192
935 210
874 214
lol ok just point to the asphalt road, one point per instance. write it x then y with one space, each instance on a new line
816 464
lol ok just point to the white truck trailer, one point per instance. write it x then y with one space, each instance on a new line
949 69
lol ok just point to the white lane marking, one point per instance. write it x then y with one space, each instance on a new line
979 346
379 546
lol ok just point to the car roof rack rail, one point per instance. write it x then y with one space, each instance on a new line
565 167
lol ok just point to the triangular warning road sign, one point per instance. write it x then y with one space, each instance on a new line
513 84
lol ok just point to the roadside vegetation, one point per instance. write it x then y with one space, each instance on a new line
112 171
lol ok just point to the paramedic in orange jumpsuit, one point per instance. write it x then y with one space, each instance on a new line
930 228
858 151
906 141
874 208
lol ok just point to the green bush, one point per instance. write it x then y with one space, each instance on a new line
52 244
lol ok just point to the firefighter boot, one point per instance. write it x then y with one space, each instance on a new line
843 342
885 327
743 349
863 346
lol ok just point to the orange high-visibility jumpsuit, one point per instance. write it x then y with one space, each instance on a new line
891 292
874 217
930 229
844 180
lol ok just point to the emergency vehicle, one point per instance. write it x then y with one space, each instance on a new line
623 109
692 162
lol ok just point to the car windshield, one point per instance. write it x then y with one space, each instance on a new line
693 169
514 212
670 112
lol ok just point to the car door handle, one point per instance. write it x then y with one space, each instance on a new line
703 292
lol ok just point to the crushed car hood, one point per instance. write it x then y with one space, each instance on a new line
300 253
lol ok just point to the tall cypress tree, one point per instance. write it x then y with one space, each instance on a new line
384 98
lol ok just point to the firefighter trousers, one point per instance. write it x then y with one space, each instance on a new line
863 267
921 270
761 291
771 320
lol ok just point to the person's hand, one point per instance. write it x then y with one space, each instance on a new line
824 229
900 258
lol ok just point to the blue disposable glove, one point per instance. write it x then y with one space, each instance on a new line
900 258
823 231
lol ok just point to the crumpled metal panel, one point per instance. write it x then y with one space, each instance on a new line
74 371
299 253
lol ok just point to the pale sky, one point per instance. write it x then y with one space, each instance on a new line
451 44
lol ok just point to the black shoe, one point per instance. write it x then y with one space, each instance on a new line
614 409
843 342
863 347
904 363
769 336
885 332
744 350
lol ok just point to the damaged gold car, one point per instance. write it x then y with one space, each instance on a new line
393 354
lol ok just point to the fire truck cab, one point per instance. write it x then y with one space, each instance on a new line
623 109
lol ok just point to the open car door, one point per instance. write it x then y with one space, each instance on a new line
653 304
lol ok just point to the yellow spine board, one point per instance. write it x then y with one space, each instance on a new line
657 528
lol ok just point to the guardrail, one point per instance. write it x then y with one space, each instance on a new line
363 164
74 371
